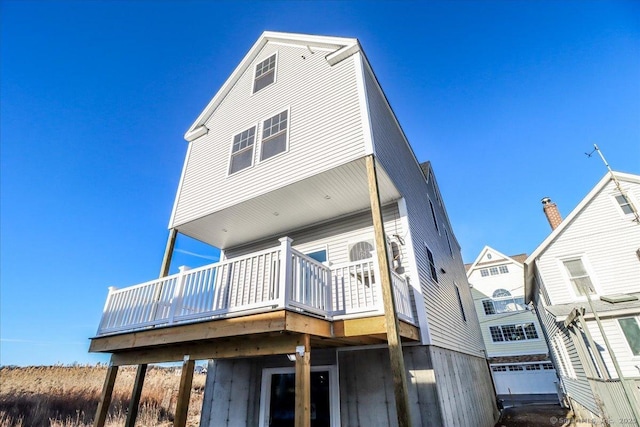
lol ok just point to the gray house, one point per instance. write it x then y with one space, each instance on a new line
341 298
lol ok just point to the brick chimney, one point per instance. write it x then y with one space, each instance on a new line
552 212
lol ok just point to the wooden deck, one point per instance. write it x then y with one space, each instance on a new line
277 332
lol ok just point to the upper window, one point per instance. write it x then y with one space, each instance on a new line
494 271
242 150
631 329
274 135
320 256
625 204
265 73
433 214
446 233
501 293
432 265
464 316
579 277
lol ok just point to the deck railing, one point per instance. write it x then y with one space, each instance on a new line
276 278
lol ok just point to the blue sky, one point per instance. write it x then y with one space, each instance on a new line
503 97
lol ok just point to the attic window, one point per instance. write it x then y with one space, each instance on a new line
265 73
242 150
625 204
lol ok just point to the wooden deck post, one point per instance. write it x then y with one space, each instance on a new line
303 384
105 398
184 392
396 358
132 413
168 252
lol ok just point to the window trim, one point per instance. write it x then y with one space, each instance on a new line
253 154
261 130
275 73
319 248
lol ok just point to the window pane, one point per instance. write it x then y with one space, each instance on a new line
273 146
265 73
484 272
496 334
530 331
320 256
624 204
575 267
241 160
632 333
488 307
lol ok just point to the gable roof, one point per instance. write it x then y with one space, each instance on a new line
529 264
340 48
518 259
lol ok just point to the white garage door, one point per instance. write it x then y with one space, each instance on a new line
524 378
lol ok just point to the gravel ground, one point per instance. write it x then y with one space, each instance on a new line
538 415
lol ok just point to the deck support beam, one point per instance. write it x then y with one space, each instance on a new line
184 392
105 397
134 403
396 358
303 384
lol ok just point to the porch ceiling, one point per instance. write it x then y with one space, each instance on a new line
337 192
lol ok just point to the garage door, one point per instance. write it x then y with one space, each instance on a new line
524 378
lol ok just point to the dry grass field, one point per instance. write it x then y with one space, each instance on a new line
65 396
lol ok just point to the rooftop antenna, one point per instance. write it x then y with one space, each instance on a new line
622 192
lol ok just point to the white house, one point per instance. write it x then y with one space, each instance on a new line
516 349
341 298
584 281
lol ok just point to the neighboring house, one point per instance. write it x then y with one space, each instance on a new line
516 349
584 281
299 171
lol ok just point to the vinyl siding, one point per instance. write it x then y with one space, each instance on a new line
335 236
324 133
446 327
619 346
577 388
605 239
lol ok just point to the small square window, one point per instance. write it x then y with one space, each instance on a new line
503 269
484 272
265 73
625 204
496 334
488 307
494 271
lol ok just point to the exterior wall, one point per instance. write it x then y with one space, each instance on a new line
627 361
446 325
322 134
575 384
335 236
606 239
441 382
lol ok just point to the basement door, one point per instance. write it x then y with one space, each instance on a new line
277 398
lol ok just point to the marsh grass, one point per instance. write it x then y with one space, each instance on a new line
65 396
